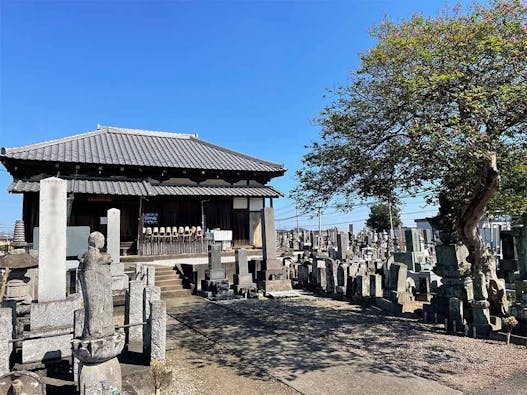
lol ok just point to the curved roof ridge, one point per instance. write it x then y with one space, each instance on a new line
145 132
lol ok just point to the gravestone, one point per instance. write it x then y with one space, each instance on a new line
272 277
52 240
243 280
412 240
215 284
454 270
376 285
362 286
331 276
303 274
413 257
119 279
342 278
396 297
456 321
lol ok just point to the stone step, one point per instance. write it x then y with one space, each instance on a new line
165 270
167 276
179 293
170 287
169 281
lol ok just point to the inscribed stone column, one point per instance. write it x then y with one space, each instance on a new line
113 247
135 311
342 245
151 294
268 235
243 280
6 334
158 327
113 240
52 240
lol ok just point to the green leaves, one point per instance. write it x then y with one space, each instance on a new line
379 218
428 103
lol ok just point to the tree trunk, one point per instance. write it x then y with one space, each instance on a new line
508 338
467 224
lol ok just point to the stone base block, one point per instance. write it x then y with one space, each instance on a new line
117 269
264 275
398 297
388 305
240 279
56 314
423 297
275 285
46 348
215 286
521 289
479 331
120 283
100 378
431 316
242 288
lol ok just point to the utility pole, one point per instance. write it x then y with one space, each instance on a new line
320 239
296 213
391 220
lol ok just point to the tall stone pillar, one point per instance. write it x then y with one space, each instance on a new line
52 240
113 246
342 245
6 335
272 277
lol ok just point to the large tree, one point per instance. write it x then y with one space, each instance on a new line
438 106
379 217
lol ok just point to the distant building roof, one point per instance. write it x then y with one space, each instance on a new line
145 188
119 146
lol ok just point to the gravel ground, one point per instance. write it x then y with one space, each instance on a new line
251 346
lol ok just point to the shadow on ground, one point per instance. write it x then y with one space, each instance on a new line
287 338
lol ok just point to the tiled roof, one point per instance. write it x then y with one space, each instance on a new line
119 146
96 187
205 190
144 188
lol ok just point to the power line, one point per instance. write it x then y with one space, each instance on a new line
364 219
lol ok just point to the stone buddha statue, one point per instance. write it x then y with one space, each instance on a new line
96 282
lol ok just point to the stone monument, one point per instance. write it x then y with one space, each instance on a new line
215 284
52 240
99 345
272 277
119 279
414 257
243 280
455 273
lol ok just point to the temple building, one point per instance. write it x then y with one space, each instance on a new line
157 180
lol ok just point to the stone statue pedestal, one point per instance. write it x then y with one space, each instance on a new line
99 377
98 363
480 326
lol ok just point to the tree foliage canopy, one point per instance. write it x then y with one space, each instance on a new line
428 104
379 217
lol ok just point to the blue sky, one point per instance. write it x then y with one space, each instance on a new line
246 75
